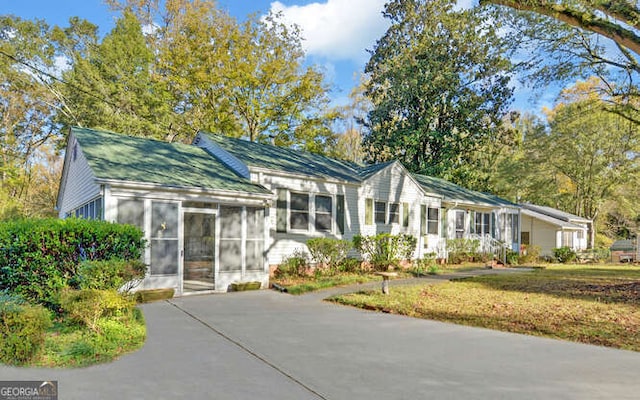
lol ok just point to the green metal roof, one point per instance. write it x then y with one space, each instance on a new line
112 156
623 245
272 157
452 192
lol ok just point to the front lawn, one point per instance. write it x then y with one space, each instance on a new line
589 304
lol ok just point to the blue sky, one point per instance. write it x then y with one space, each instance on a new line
337 32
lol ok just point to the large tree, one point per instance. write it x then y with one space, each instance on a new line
563 40
27 108
439 85
111 84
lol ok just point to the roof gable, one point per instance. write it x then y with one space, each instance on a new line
112 156
260 155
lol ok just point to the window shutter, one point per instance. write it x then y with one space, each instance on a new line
423 219
340 213
368 211
281 211
405 215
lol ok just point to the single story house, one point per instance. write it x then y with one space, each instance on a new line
550 228
224 210
625 250
205 225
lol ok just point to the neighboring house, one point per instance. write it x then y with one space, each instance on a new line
468 214
625 250
205 225
225 210
550 228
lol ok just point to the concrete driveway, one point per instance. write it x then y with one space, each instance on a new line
267 345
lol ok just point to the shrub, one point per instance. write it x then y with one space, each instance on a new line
294 265
111 274
426 265
327 252
351 265
384 250
512 257
461 250
87 306
38 257
22 329
530 254
564 254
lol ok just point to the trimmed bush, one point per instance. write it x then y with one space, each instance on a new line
38 257
111 274
461 250
328 253
22 329
87 306
294 265
564 254
385 250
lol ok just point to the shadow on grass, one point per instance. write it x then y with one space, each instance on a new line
607 285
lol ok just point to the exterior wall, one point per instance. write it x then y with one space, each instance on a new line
542 234
80 186
284 244
394 185
497 225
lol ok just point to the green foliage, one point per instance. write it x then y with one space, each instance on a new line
564 254
530 254
22 329
294 265
425 265
385 250
461 250
328 253
87 306
439 87
350 265
38 258
513 257
109 274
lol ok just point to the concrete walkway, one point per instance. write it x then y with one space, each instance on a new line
268 345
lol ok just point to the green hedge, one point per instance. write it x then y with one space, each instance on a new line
38 257
22 329
385 250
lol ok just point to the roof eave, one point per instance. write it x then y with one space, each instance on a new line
156 186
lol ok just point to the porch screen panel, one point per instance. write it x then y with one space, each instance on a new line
340 213
131 211
230 239
255 239
164 238
567 239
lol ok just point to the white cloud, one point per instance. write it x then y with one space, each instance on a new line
337 29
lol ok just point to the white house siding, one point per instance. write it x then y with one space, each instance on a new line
80 185
542 234
394 185
283 244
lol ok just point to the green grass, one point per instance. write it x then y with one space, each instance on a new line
73 345
300 285
589 304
